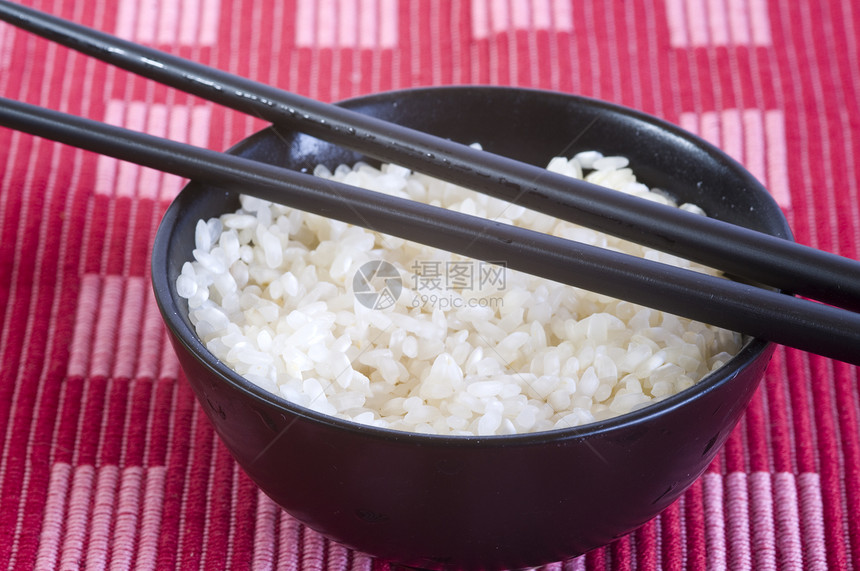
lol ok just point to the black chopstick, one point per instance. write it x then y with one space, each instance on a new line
755 311
737 251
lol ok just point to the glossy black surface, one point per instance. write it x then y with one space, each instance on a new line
497 502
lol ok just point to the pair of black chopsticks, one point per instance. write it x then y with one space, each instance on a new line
758 257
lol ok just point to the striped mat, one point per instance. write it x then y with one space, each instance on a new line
106 459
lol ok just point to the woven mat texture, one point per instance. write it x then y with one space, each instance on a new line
106 459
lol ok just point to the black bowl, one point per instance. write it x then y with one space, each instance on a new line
478 502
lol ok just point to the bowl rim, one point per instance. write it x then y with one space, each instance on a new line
753 348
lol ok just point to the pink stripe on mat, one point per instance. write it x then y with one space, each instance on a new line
289 537
77 516
738 21
784 519
676 20
763 545
480 19
189 22
732 139
389 26
717 22
169 19
364 24
354 22
541 14
760 22
491 17
101 522
210 20
264 533
177 120
107 325
752 137
776 157
338 557
127 19
500 17
699 23
54 518
118 177
96 519
170 22
119 331
153 184
6 36
715 525
182 123
577 564
127 518
361 562
787 522
737 521
812 527
755 144
327 11
85 319
130 319
169 368
151 518
305 23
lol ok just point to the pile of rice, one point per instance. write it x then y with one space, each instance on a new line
270 292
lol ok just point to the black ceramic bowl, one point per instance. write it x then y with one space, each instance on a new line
478 502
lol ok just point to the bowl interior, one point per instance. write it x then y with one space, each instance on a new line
506 121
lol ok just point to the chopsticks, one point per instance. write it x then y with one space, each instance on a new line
780 318
748 309
738 251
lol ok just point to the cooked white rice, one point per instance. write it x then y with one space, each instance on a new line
270 294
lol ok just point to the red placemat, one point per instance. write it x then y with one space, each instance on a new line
108 462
